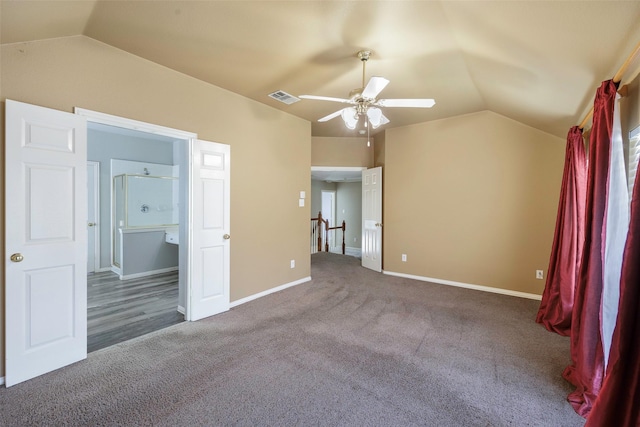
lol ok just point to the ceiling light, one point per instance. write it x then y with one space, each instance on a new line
350 117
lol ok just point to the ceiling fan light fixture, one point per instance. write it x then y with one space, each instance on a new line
375 116
350 117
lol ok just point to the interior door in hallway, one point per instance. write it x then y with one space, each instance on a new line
372 219
46 240
210 234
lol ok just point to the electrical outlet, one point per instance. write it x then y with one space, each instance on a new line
404 257
293 263
539 274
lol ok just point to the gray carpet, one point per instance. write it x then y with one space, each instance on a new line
351 347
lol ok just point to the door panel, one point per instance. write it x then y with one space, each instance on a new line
209 238
372 219
45 245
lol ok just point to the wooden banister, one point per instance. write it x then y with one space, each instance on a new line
317 228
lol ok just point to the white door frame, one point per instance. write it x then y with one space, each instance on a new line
187 137
95 228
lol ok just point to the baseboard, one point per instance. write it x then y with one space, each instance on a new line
268 291
148 273
181 310
103 269
467 286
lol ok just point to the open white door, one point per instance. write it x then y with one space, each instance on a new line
372 219
209 234
46 240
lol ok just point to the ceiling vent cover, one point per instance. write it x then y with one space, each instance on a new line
284 97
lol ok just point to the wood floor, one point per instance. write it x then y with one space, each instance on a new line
119 310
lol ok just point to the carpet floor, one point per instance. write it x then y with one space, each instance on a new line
351 347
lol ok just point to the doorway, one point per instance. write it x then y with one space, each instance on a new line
134 287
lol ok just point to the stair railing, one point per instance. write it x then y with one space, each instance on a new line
320 233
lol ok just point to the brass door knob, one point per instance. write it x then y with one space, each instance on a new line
17 257
226 237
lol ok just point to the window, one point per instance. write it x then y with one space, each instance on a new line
634 156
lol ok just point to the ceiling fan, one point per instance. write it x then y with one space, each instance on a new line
364 102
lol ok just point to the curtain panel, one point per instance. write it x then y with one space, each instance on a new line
618 401
564 264
587 358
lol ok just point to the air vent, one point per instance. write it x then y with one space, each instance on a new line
284 97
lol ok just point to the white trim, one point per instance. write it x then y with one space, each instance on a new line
269 291
181 309
103 269
122 122
466 285
337 168
147 273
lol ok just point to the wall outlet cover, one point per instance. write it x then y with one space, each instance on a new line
539 274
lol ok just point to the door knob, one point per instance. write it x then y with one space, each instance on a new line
91 224
226 237
17 257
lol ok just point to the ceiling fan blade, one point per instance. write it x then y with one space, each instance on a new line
416 103
374 87
326 98
330 116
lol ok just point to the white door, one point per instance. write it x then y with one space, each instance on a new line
329 213
93 213
46 240
210 233
372 219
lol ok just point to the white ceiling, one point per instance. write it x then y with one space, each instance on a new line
537 62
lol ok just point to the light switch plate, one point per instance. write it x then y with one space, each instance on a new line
303 195
301 202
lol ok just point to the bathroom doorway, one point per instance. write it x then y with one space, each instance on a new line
135 286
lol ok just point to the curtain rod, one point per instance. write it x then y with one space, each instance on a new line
616 79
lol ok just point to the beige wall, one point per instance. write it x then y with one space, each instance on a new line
270 150
343 152
472 199
378 152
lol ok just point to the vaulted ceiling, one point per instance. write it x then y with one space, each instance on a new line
537 62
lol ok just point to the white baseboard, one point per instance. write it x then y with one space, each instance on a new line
467 286
268 291
103 269
148 273
181 309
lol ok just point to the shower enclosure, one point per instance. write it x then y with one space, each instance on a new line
144 209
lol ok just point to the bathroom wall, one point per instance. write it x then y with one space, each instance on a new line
102 147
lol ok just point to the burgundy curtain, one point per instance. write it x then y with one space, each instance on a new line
587 359
564 265
619 401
